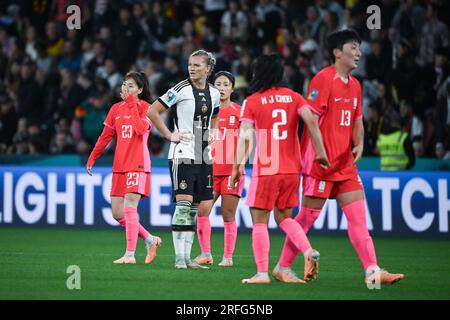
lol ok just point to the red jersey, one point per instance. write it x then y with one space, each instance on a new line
128 121
225 144
275 116
338 105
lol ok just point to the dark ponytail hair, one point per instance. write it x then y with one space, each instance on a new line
142 82
267 72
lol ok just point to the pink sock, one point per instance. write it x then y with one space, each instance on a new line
143 233
305 218
261 246
229 236
132 227
358 233
204 234
295 233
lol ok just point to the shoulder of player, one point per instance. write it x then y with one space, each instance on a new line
355 82
181 85
213 89
326 73
117 105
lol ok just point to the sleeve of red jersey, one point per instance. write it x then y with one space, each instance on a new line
302 103
102 142
110 119
318 94
247 112
139 122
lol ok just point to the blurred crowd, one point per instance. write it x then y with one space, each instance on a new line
57 85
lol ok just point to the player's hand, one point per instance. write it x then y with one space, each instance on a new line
323 161
124 93
236 174
180 136
88 169
357 153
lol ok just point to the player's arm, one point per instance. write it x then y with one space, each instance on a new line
358 140
140 126
154 114
311 121
245 140
214 128
100 145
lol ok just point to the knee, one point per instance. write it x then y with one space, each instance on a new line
228 214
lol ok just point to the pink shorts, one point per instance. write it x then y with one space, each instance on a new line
268 192
221 186
313 187
130 182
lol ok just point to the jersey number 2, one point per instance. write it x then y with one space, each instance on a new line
275 131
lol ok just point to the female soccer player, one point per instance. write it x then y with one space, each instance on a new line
223 152
335 97
273 112
131 168
195 108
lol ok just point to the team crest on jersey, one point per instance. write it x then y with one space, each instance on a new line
232 119
321 186
204 108
183 185
313 94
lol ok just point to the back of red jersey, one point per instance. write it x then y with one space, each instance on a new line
224 146
274 114
338 105
131 152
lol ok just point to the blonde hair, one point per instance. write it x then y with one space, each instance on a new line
208 56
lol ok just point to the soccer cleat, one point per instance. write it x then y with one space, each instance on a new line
204 260
226 262
383 277
151 250
311 266
192 264
287 275
256 279
180 264
125 260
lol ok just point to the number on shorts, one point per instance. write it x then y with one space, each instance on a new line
132 179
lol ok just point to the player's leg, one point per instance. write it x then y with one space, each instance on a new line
183 190
229 206
117 205
314 196
204 229
131 201
204 208
260 245
353 206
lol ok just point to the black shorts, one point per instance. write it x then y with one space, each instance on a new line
192 179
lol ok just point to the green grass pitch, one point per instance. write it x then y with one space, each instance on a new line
34 262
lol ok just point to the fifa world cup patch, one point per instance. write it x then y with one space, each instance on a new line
313 94
183 185
321 186
170 96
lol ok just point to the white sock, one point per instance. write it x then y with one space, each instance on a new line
189 240
371 270
149 240
263 274
129 254
307 252
178 243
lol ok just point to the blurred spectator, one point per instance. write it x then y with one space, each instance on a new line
8 124
70 59
110 73
61 144
84 147
29 95
234 22
372 128
413 126
434 35
394 145
54 41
